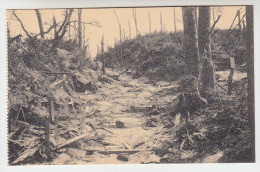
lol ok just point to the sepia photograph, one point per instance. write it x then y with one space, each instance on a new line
130 85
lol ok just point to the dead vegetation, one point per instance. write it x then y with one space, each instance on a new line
141 107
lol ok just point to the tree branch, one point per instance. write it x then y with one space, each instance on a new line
21 23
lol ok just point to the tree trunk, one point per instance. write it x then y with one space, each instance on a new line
250 75
238 20
135 19
161 21
79 27
69 31
84 34
129 29
40 22
8 31
150 24
55 27
120 34
174 20
102 55
204 42
191 41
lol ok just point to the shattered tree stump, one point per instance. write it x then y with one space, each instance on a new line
230 77
47 138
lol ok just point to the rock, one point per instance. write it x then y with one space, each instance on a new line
213 158
62 159
120 124
122 157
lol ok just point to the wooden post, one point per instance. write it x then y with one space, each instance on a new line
47 138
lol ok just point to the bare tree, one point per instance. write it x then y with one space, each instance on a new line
233 22
204 42
150 25
161 21
55 25
238 20
174 20
21 23
129 29
79 27
102 56
135 20
250 75
120 35
191 41
69 31
37 11
29 35
62 29
84 34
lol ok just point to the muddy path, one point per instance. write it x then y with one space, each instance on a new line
118 111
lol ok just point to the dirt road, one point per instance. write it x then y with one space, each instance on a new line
131 141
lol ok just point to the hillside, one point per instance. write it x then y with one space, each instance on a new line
129 114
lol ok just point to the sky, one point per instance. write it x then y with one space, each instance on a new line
107 19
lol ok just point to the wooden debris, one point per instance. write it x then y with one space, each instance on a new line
104 79
47 138
17 115
142 108
106 130
28 153
99 137
116 151
127 146
90 137
16 134
16 142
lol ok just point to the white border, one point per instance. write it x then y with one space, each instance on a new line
27 4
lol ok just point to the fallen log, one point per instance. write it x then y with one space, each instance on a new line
115 151
142 108
28 153
17 142
90 137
